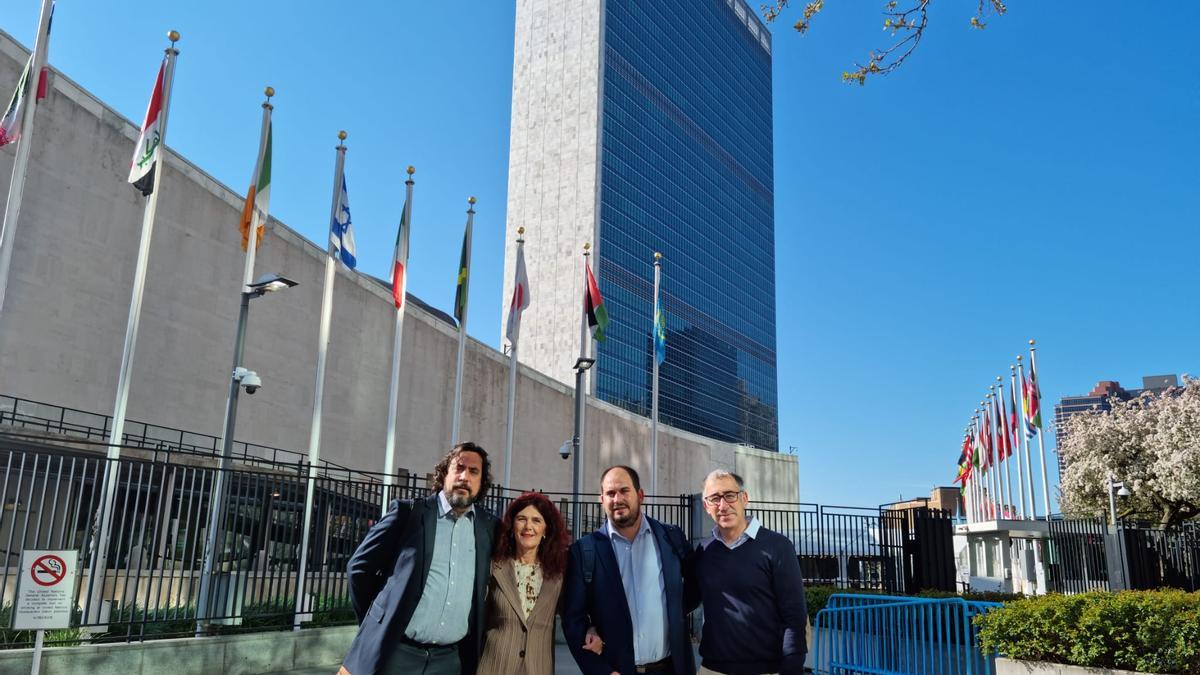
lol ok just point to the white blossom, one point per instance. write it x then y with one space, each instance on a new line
1152 443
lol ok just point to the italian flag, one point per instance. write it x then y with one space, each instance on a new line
145 152
258 197
400 259
10 123
593 306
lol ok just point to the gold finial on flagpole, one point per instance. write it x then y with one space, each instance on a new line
1032 345
1018 359
270 92
342 135
411 170
999 380
471 201
173 36
520 231
657 257
587 249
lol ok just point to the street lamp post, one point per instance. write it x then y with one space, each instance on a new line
1116 488
239 377
581 366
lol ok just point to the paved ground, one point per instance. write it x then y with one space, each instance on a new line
563 665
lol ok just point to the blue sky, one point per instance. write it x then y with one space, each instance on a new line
1035 179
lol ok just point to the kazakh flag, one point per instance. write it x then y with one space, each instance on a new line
660 332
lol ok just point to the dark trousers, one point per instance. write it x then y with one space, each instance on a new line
410 659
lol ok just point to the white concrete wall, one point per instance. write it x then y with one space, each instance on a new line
63 325
553 172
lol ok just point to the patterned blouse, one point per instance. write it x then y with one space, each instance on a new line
529 584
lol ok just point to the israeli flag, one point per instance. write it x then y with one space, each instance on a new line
341 236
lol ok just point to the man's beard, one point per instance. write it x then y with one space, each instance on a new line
459 500
630 517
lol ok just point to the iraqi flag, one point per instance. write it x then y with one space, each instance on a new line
520 298
341 233
593 306
145 152
400 259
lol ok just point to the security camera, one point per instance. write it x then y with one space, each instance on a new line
249 379
565 450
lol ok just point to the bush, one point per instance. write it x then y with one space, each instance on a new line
1147 631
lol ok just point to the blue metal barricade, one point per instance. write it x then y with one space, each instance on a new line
886 635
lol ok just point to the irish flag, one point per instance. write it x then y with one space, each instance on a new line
145 152
400 259
593 306
258 197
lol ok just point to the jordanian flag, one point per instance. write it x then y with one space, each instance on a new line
464 271
400 259
258 198
593 306
145 152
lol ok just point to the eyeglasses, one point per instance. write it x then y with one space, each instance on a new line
729 497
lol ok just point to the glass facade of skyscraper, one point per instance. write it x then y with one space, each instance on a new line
687 170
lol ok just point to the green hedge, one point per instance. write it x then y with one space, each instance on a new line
1147 631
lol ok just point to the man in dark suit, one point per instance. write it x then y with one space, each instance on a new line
623 597
419 578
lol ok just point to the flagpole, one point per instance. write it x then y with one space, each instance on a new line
511 406
116 434
654 387
1015 435
456 424
314 434
1041 441
1006 443
977 449
580 403
389 452
16 188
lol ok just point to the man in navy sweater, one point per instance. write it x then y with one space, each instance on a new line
749 581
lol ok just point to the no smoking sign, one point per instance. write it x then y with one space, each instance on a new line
48 570
46 594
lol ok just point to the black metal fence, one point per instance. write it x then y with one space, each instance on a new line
1159 558
1077 561
155 582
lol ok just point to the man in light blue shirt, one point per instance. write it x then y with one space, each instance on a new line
419 579
624 607
641 575
441 615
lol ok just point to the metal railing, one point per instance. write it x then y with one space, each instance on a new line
893 635
24 413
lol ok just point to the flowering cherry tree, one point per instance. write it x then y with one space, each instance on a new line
1151 443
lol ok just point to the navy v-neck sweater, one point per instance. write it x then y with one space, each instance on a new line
754 610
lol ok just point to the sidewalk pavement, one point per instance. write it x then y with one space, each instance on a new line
563 665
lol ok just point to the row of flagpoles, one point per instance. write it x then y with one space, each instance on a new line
16 126
999 435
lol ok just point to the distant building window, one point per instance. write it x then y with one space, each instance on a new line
753 28
740 10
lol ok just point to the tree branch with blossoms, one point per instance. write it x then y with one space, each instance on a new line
906 24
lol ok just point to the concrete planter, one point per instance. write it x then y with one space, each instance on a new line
1014 667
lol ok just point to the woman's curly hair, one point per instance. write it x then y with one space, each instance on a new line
443 468
552 551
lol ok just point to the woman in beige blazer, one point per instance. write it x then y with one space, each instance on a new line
526 578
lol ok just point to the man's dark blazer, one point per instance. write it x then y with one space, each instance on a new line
387 576
602 604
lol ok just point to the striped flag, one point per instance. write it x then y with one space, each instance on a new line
14 114
341 233
258 197
10 124
464 272
400 259
145 152
520 298
593 306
